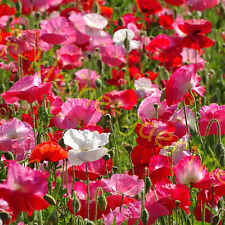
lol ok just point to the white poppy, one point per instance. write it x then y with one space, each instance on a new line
120 36
87 145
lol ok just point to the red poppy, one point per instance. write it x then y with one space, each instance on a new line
49 150
117 78
5 10
196 26
149 6
166 21
175 2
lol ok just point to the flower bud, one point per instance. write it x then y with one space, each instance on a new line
106 157
79 220
88 222
4 216
76 204
148 184
102 202
9 155
128 147
219 151
144 216
98 83
120 22
216 219
50 199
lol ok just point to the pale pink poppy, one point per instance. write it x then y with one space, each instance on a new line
123 184
181 82
24 188
190 55
29 88
189 170
75 111
113 55
213 111
16 136
70 56
147 110
86 78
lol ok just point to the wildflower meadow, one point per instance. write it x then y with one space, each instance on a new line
112 112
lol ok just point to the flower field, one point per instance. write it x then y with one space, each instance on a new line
112 112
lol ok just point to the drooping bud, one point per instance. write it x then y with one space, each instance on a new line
144 216
9 155
98 83
220 153
102 202
50 199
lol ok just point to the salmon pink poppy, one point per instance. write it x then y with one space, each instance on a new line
24 189
49 150
29 88
181 82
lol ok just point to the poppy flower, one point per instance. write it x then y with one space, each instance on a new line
181 82
26 186
80 189
213 111
175 2
117 78
113 55
96 169
120 99
200 26
86 78
16 136
29 88
122 184
149 6
166 21
87 145
189 170
201 5
49 150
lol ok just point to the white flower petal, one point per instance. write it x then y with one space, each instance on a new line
73 138
134 45
94 20
92 155
73 157
120 35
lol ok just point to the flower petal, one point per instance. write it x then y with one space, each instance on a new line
73 157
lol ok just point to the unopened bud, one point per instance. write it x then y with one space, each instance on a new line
88 222
4 216
148 184
106 157
220 153
9 155
120 22
144 216
128 147
102 202
79 220
50 199
216 219
98 83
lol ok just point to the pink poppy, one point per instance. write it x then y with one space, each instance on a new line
113 201
53 30
202 5
179 121
181 82
189 170
113 55
147 110
70 56
29 88
75 111
86 78
213 111
122 184
16 136
26 41
24 189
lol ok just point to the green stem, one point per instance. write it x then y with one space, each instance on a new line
87 190
33 120
121 203
131 164
187 127
218 126
211 207
96 203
